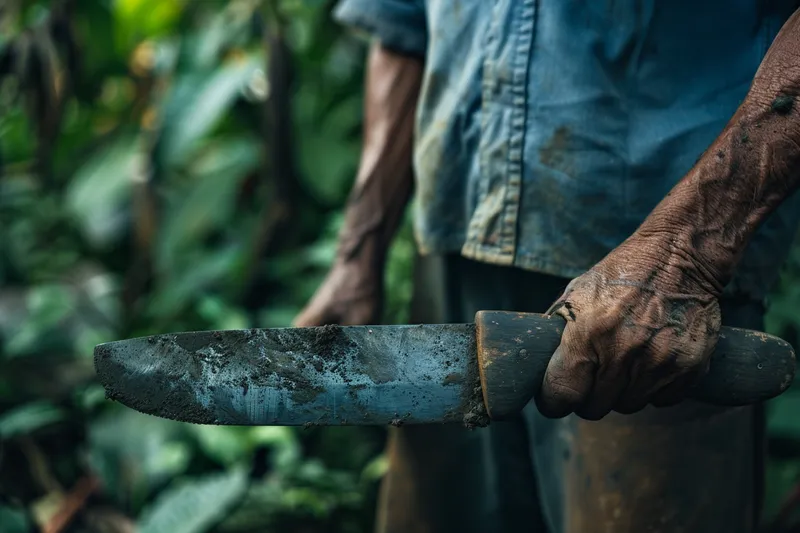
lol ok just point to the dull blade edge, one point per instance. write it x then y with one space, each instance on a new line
329 375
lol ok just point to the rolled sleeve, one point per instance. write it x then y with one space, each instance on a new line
399 25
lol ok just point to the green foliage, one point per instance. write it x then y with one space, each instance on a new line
143 195
136 454
27 418
98 193
195 504
229 446
14 520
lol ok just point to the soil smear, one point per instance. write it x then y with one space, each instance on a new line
151 396
474 409
783 104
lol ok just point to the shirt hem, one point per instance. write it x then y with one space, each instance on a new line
495 256
532 263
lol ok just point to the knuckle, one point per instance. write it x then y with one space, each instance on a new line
678 362
689 356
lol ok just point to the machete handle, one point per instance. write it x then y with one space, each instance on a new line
513 349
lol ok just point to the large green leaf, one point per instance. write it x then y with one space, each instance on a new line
329 136
29 417
185 283
235 445
136 453
375 469
311 494
13 520
194 505
60 317
47 306
208 201
99 191
197 103
230 26
16 137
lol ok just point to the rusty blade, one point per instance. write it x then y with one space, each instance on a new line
362 375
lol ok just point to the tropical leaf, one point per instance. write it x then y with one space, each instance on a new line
185 283
375 469
28 418
13 520
46 307
194 505
208 202
233 445
99 191
196 105
135 454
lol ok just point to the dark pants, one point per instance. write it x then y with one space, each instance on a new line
690 468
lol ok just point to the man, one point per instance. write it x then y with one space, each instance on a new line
647 150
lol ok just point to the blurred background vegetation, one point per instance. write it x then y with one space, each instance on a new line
172 165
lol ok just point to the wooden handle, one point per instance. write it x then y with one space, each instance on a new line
747 367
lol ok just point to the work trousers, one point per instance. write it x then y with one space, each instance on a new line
684 469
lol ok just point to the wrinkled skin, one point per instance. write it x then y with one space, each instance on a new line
638 331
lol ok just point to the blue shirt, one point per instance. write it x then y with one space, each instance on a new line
547 130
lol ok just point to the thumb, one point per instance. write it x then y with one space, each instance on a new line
568 379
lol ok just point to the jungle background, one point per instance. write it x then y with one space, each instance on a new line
173 165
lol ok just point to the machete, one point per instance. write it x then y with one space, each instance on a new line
374 375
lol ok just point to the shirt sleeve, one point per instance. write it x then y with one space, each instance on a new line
399 25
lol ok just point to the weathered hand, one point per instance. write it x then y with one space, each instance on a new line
351 295
641 326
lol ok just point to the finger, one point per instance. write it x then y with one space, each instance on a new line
644 382
673 393
630 404
610 383
677 391
567 381
655 366
618 374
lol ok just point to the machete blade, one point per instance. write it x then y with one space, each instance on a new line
331 375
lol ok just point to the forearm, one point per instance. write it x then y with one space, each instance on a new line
384 182
753 166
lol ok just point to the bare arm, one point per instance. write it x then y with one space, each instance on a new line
352 291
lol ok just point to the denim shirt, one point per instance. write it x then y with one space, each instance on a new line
547 130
